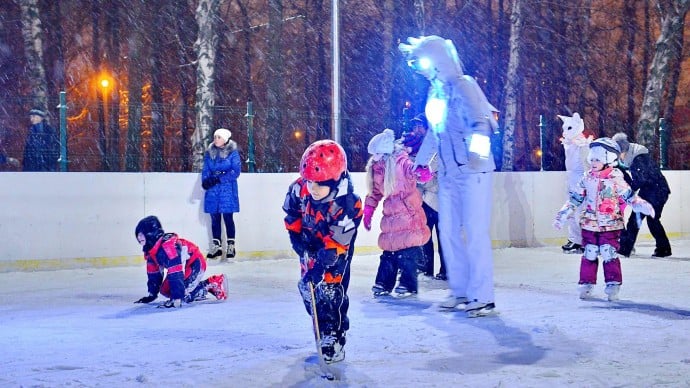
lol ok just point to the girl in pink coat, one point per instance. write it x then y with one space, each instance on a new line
391 176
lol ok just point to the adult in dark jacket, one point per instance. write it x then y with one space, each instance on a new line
653 187
219 178
42 144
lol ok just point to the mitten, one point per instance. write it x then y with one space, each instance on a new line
639 205
563 215
147 299
315 274
424 174
209 182
368 213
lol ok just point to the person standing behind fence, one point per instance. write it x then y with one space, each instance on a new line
653 187
412 139
42 144
219 178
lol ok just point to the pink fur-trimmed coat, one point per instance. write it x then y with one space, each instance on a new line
403 224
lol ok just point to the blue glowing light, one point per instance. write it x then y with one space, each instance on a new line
435 111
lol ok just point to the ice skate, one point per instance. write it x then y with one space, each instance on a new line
218 286
332 347
452 302
571 247
215 250
663 252
379 290
612 291
479 309
441 276
585 290
404 292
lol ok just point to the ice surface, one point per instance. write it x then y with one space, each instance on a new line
80 328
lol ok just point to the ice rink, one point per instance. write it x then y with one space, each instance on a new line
79 328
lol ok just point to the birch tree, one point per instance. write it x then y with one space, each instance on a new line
672 13
275 87
512 85
32 34
207 12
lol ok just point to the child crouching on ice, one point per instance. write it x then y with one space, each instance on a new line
175 267
601 190
322 216
391 176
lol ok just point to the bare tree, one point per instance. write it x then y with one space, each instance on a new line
133 149
205 46
672 13
512 85
32 33
275 87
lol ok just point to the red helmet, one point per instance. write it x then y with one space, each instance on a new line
323 160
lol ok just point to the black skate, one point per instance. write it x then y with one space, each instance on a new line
332 347
571 247
404 292
379 290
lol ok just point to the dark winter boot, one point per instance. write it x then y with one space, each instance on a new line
231 249
571 247
215 250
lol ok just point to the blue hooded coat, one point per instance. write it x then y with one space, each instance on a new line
225 164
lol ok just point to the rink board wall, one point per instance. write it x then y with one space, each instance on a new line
68 220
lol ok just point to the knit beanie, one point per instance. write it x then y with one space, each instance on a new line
223 133
382 143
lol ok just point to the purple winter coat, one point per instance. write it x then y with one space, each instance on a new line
403 224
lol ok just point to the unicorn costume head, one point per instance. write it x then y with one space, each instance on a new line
433 57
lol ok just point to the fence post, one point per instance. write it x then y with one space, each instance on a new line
663 144
542 140
251 163
63 131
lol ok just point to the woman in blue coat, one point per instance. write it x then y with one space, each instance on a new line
219 179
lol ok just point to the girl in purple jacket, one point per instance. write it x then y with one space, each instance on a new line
391 177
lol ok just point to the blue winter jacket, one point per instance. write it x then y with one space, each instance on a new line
225 164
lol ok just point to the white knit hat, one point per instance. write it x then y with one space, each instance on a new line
382 143
224 133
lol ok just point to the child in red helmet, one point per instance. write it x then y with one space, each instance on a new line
322 216
175 267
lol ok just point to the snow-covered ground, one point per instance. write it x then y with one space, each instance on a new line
80 328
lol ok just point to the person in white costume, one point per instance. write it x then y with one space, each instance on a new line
576 148
462 122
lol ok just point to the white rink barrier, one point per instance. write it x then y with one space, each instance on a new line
56 220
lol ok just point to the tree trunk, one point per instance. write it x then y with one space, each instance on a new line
157 151
205 46
512 85
32 33
672 19
133 150
275 89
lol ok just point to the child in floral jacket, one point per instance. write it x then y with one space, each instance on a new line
600 192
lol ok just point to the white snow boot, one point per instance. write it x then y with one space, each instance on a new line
612 290
585 290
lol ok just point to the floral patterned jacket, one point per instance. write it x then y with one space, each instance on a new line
602 193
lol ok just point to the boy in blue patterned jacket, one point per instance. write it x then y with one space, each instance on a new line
322 216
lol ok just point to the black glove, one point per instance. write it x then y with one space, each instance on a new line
210 182
147 299
171 303
315 274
